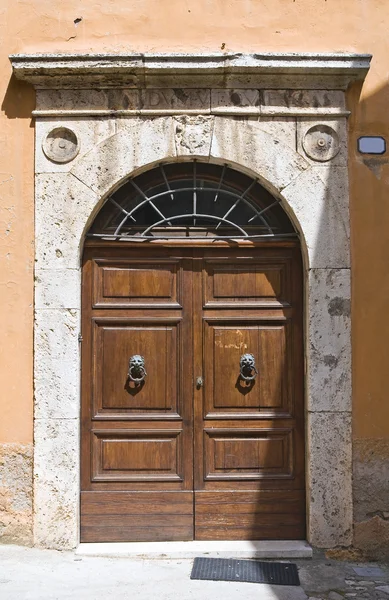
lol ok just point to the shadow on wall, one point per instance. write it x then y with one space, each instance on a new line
369 179
19 100
16 260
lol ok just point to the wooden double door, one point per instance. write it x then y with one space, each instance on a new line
196 449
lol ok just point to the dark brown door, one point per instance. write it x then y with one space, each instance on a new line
194 451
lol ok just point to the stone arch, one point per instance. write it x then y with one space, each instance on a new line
320 216
316 199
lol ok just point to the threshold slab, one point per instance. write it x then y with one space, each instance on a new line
177 550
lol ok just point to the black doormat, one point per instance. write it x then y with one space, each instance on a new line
251 571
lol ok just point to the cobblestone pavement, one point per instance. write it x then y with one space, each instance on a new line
329 579
32 574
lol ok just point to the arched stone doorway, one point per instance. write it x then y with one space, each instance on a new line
100 119
192 369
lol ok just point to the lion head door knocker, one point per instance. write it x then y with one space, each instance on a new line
248 370
136 369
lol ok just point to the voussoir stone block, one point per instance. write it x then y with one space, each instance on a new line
329 340
193 135
64 205
280 128
330 479
56 483
318 200
245 143
89 133
139 142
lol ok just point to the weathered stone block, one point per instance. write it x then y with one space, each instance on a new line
229 101
244 143
329 100
88 99
57 288
16 493
282 129
329 341
329 479
56 333
371 479
372 537
138 143
63 207
176 99
89 132
56 483
57 387
318 202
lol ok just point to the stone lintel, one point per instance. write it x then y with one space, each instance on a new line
265 71
121 102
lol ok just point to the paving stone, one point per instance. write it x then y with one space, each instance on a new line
368 571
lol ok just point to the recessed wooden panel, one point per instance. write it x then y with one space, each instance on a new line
115 343
225 390
245 283
135 283
265 514
136 455
136 516
240 454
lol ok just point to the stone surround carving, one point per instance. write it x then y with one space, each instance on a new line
321 143
252 112
61 145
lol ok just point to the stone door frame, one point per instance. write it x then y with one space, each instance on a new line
279 118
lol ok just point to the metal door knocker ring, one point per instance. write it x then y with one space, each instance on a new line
247 367
136 369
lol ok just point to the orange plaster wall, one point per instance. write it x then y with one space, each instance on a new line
187 26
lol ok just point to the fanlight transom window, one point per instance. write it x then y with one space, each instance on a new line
191 199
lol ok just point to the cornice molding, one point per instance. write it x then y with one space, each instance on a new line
330 71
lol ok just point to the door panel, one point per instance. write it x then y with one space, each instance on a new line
137 455
135 282
225 391
263 282
177 457
128 516
249 434
115 342
137 437
244 454
260 515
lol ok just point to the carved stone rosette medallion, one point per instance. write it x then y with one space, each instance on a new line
321 143
61 145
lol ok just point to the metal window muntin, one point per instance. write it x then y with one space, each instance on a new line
220 180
